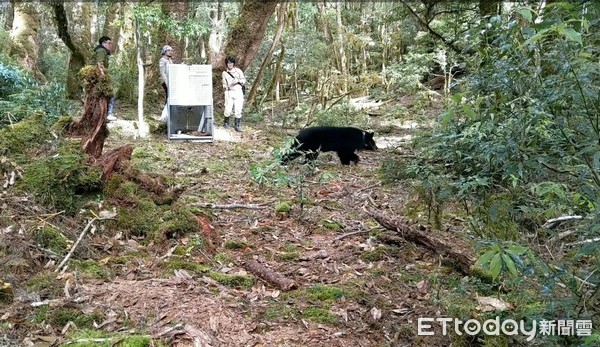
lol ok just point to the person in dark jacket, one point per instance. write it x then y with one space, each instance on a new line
100 59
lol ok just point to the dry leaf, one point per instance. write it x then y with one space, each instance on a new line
375 313
488 304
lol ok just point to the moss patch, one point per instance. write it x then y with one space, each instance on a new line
233 281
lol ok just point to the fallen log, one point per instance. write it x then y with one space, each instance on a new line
270 276
443 243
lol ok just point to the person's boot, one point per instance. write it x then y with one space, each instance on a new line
238 124
227 123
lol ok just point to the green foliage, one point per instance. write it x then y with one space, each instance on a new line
22 96
59 181
498 260
13 80
525 121
519 145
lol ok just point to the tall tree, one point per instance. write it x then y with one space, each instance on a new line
178 12
24 36
76 58
281 19
243 41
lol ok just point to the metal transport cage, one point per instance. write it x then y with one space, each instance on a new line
190 103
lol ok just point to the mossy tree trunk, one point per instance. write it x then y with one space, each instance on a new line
91 127
24 36
243 41
76 59
8 9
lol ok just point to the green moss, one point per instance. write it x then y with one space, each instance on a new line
289 251
22 139
319 315
235 244
141 219
283 207
324 293
233 281
51 238
89 268
46 284
112 340
223 258
59 181
100 85
176 264
61 316
332 225
179 221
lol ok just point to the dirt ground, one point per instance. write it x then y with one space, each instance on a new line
328 242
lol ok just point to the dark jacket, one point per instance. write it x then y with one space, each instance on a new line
100 55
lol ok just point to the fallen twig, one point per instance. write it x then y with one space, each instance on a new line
595 239
66 259
232 206
552 222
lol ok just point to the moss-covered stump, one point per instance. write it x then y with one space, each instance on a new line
92 124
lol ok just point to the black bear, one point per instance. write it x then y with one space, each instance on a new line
343 140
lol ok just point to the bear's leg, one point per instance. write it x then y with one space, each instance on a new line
347 157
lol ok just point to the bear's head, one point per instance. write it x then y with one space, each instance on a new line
369 142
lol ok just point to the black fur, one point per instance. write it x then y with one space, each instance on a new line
345 141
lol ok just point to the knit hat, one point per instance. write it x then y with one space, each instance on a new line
165 49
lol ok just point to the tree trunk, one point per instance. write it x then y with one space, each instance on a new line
8 9
215 39
489 7
24 36
281 18
91 127
341 49
243 41
77 57
142 127
177 10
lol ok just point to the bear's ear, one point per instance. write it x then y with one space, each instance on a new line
371 134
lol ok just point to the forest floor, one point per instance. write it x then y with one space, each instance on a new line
350 288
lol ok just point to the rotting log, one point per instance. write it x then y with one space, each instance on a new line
443 243
270 276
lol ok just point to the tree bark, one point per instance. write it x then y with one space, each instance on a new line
77 57
91 127
281 18
24 35
9 9
177 10
270 276
489 7
243 41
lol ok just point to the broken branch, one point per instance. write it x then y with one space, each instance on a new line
270 276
